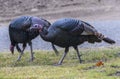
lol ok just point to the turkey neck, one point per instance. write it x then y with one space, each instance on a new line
46 35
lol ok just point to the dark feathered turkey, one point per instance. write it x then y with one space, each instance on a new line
68 32
19 32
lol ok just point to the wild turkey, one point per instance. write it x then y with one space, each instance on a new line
68 32
19 33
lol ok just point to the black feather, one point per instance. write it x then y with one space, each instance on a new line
108 40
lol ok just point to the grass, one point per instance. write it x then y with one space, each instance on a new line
42 67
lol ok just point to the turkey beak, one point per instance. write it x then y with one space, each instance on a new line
12 49
40 29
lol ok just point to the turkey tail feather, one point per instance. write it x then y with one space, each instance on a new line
108 40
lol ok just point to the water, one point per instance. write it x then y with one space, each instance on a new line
108 28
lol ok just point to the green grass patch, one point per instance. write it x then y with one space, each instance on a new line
42 67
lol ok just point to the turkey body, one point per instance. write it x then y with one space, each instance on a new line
68 32
19 32
66 40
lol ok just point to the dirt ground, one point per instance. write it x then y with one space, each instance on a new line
55 9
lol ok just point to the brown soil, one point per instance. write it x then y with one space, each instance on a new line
55 9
